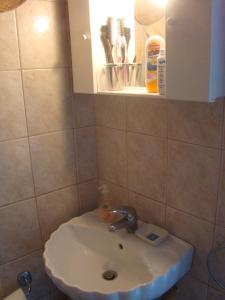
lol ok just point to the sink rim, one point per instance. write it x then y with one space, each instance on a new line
77 221
59 278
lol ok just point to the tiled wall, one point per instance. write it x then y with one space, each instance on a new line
47 141
166 159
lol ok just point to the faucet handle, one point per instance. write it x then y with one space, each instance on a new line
128 220
127 211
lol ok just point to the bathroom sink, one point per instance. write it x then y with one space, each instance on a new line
88 262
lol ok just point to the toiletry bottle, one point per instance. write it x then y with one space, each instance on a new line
152 48
104 209
161 69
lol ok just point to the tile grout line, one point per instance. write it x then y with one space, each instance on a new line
47 193
96 146
220 177
43 134
67 24
35 68
162 137
221 161
76 155
28 138
75 169
127 150
75 145
167 161
16 202
10 140
160 202
219 183
22 257
191 215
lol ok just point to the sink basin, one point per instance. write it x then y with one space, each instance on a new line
88 262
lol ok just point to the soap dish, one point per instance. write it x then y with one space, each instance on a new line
152 234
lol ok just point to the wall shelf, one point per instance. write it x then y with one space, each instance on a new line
133 91
195 47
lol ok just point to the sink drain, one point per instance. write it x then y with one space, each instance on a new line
109 275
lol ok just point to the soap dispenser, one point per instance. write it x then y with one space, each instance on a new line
105 211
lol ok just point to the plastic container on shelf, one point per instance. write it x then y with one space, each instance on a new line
161 69
152 49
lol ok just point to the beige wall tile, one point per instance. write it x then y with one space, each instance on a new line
197 232
9 51
84 110
88 195
43 23
111 152
12 112
53 161
48 99
147 165
190 289
1 289
218 258
57 208
197 123
111 111
19 230
41 284
219 236
15 172
147 116
220 218
193 174
148 210
86 153
215 295
223 135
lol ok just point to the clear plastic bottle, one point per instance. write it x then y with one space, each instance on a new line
161 69
105 211
152 49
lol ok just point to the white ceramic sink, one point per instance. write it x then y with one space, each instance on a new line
80 251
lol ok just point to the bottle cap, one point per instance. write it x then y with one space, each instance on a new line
104 193
103 189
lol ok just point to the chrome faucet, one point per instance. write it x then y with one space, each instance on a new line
128 219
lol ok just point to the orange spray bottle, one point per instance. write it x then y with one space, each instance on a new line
152 49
